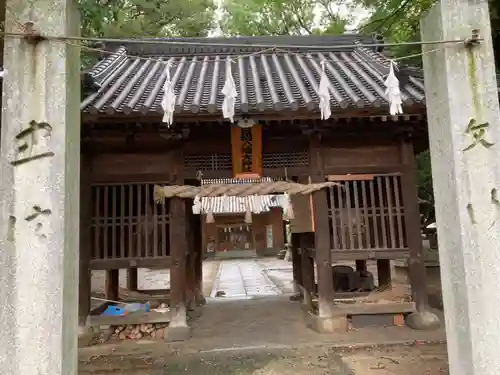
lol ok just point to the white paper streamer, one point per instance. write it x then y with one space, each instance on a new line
197 205
288 213
168 101
324 94
393 92
229 92
2 73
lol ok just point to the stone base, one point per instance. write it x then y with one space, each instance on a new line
326 325
377 320
85 336
180 333
422 320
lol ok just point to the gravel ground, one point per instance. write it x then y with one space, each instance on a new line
401 360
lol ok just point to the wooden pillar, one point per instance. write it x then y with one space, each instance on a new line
416 263
306 242
178 329
112 285
321 235
297 266
384 273
191 258
85 241
132 279
361 265
198 267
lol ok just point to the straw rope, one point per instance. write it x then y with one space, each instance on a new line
240 190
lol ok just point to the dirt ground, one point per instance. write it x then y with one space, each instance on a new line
400 360
267 336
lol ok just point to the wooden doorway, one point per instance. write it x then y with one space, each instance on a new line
234 237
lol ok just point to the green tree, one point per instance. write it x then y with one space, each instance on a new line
399 21
146 18
282 17
425 190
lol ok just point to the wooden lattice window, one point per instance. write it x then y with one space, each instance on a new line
211 162
285 159
127 223
367 213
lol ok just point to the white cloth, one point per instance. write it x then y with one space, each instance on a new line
229 92
393 92
168 100
324 94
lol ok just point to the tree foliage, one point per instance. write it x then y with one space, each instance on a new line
425 190
146 18
282 17
399 21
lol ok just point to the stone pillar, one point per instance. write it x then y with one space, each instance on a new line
39 193
461 86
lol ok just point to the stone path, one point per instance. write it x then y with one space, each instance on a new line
243 279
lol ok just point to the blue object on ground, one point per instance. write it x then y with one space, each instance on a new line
114 311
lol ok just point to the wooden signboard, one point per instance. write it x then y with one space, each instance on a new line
246 146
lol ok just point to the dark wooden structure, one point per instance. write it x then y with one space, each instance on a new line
126 150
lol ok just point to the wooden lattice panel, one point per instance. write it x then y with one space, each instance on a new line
285 159
211 162
367 214
127 223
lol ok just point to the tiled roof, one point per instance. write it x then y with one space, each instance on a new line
238 205
270 82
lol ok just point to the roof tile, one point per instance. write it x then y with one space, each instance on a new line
269 82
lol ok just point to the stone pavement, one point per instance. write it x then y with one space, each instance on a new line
247 278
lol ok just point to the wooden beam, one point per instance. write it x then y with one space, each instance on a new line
157 262
85 242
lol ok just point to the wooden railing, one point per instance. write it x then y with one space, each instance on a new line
128 228
367 215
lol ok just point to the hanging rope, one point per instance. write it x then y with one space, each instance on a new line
240 190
